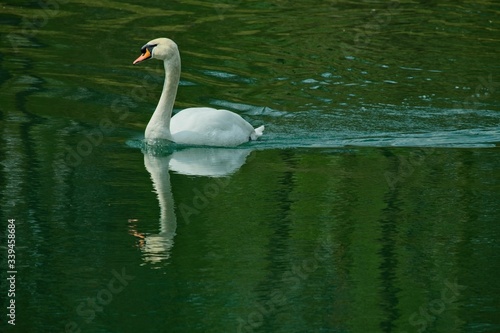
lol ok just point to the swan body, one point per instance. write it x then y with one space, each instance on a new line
193 126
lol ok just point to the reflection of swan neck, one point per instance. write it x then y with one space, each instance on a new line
159 124
166 201
157 246
158 169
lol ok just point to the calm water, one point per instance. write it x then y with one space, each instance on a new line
370 205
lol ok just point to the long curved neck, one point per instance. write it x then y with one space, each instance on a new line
159 125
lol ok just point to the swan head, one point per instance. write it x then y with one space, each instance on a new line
159 48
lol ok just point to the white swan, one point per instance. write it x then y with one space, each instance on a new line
193 126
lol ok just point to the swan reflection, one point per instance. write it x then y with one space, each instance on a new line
210 162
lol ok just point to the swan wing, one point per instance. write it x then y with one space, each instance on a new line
210 127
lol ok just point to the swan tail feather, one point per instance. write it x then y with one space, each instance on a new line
257 133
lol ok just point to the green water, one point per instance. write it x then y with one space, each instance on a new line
371 204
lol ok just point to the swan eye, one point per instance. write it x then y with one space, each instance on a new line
149 48
146 53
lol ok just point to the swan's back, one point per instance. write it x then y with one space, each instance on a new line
211 127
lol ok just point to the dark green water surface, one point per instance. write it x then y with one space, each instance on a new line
371 204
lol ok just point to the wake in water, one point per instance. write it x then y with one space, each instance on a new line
381 126
376 126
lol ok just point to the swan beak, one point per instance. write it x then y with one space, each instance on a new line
146 55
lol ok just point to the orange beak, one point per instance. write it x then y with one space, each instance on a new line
146 55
